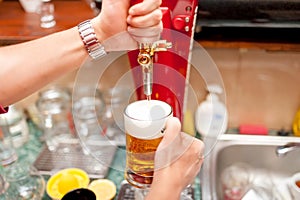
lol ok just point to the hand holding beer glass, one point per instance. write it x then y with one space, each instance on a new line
145 123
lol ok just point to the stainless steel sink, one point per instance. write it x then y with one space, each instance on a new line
259 152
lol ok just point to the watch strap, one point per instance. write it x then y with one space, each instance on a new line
90 41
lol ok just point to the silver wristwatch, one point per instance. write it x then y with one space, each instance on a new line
90 41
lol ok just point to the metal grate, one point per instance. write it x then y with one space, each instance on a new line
127 192
69 155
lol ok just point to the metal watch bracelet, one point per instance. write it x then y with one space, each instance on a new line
90 41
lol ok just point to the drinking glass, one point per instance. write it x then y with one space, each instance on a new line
47 14
145 122
88 110
54 106
25 182
18 181
8 153
116 99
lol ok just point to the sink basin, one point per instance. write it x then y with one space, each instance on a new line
258 152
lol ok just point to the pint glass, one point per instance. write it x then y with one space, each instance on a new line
145 122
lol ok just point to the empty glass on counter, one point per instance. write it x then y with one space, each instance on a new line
18 181
88 109
54 106
116 100
47 14
24 182
8 153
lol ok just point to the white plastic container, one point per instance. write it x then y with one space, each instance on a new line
31 6
211 116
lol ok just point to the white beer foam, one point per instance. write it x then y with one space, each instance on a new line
146 119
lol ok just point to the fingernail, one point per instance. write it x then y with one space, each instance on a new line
129 18
131 11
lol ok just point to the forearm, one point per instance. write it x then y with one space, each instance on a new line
163 192
29 66
165 187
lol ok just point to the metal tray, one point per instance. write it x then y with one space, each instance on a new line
127 192
72 154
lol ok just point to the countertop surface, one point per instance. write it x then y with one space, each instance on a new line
28 153
16 25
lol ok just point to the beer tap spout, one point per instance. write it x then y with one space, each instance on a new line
145 59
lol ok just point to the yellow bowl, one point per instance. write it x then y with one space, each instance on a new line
66 180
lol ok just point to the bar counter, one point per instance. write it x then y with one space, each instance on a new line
18 26
32 148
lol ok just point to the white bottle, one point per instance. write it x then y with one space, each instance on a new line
14 121
211 116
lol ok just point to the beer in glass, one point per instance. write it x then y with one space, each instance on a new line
145 123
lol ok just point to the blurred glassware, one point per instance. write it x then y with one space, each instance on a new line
95 5
16 124
88 109
54 106
116 99
19 181
8 153
25 182
46 12
30 6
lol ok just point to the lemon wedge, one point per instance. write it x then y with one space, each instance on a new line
67 182
103 188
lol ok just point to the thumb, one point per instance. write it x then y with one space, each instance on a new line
173 128
173 144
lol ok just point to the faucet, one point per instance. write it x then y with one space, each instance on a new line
284 149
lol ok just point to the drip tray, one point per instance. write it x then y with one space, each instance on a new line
127 192
73 155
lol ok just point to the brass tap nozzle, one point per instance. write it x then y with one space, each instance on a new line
145 59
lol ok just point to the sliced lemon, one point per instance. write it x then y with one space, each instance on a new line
67 182
103 188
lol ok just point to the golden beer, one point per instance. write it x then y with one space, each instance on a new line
144 124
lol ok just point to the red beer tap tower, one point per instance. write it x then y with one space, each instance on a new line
170 67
